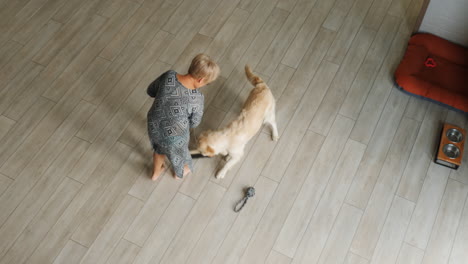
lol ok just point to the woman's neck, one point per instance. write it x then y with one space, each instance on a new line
186 80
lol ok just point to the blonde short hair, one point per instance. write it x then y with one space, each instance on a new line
203 66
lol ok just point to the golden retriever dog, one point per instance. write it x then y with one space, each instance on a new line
259 108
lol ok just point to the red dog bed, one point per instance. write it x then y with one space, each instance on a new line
435 69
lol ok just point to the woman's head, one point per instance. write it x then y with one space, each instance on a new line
203 69
205 142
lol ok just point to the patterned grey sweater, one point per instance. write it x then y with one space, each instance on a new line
174 110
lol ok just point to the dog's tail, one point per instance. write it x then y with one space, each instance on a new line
254 79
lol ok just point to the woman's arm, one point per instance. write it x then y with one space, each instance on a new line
154 86
197 113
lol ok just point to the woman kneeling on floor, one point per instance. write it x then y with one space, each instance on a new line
177 107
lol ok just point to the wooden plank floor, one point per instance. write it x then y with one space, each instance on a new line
351 180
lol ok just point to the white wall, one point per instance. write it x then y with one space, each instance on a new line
447 19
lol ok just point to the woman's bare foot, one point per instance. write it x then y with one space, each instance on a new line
186 172
158 166
155 176
158 173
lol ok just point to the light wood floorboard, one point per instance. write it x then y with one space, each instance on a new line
351 180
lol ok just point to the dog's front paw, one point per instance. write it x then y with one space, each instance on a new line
275 138
220 174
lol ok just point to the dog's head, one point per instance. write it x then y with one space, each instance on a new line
206 144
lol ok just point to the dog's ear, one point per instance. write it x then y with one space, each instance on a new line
202 137
211 151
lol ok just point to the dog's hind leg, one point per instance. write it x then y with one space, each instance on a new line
270 118
234 157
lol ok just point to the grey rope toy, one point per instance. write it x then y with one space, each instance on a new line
250 192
